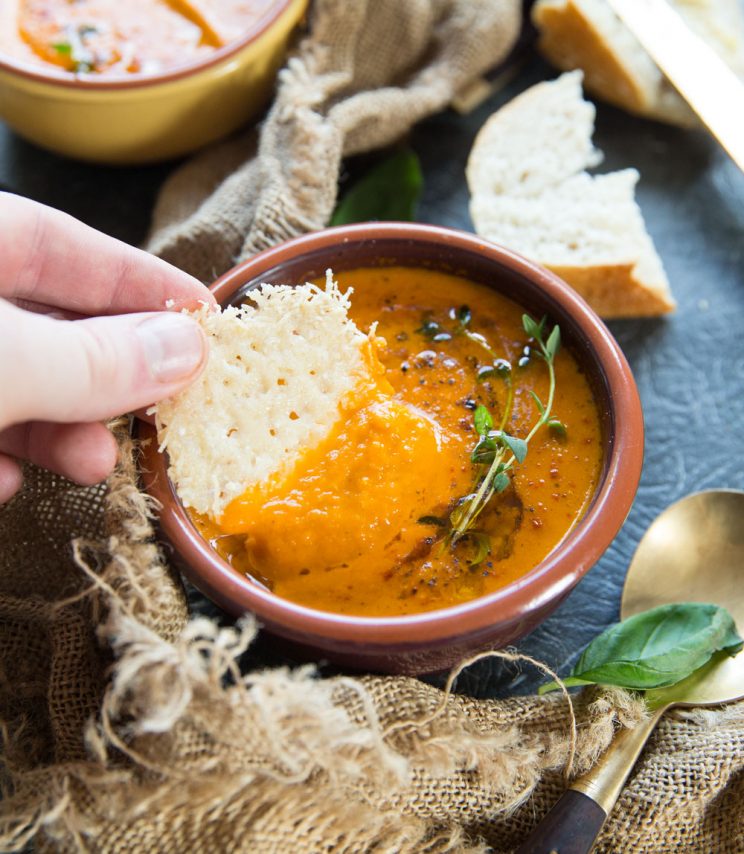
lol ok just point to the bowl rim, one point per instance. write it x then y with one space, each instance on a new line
77 82
548 582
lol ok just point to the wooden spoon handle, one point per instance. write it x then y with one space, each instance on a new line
570 827
574 822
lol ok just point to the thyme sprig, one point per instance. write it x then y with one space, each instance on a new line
497 449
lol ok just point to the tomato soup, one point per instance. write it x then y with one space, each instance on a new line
122 37
363 524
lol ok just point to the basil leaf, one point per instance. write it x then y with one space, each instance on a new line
389 191
482 420
657 648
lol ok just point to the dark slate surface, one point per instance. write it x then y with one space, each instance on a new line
689 368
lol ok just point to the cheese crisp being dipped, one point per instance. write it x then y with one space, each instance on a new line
362 474
291 435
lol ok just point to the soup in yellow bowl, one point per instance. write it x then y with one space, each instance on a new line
113 38
138 81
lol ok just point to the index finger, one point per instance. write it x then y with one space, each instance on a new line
52 259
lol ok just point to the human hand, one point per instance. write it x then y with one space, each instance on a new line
71 353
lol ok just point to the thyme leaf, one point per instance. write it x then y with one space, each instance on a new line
482 420
558 427
484 452
518 447
437 521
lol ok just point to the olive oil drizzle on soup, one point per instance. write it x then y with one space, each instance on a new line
343 533
121 37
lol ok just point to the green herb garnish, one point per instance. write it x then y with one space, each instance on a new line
389 191
656 648
496 452
437 521
497 449
73 49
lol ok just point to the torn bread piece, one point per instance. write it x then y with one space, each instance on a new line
588 35
278 372
530 193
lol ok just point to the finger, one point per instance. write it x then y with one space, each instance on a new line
85 453
48 310
91 370
11 478
52 259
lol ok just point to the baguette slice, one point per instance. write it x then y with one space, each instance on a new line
587 229
535 141
586 34
267 393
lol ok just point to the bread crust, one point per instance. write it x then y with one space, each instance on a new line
613 291
569 39
573 34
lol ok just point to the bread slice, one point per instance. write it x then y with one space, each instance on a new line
535 141
529 192
266 393
586 34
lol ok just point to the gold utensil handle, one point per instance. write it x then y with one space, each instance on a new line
573 824
605 781
702 78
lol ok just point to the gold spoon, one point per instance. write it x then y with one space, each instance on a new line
693 552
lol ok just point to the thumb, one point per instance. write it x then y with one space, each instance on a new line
88 370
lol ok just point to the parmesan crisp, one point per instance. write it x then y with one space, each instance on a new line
277 373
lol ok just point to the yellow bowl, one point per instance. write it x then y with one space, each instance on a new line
146 118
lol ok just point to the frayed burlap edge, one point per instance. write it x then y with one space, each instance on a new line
187 747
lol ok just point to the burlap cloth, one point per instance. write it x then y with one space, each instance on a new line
127 728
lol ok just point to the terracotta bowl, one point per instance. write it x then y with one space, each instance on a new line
148 117
437 639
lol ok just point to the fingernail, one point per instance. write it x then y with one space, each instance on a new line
173 344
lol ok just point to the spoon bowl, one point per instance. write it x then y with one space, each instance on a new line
694 552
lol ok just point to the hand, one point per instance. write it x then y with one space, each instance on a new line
60 374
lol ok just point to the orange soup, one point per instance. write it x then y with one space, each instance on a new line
364 523
122 37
